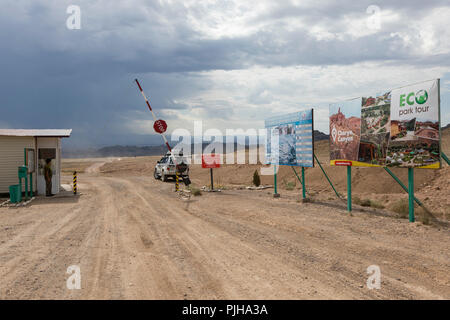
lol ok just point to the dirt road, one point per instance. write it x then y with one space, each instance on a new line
134 238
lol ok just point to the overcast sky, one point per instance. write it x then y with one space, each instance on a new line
229 63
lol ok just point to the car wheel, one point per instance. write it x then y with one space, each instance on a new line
163 177
155 174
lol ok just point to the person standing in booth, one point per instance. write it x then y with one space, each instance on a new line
48 174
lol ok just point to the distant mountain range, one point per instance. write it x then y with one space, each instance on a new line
136 151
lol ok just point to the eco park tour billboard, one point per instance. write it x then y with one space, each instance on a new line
398 128
290 139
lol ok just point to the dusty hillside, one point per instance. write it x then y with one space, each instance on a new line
432 187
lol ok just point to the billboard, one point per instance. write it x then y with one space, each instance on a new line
294 138
398 128
345 130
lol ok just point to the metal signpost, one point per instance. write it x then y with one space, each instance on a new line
211 161
347 164
275 190
349 188
411 194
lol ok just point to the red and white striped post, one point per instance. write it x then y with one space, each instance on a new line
160 132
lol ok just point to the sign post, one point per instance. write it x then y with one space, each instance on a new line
349 188
411 193
303 184
275 194
212 179
444 156
211 161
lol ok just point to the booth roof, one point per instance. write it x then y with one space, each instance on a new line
60 133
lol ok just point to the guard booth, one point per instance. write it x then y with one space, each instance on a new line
49 148
20 147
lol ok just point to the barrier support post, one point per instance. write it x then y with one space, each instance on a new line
74 182
411 193
349 188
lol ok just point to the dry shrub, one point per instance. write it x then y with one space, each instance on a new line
422 215
368 203
290 186
195 191
401 207
376 204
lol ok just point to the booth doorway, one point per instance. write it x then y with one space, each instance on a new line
43 155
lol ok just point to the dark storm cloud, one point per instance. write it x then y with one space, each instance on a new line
83 79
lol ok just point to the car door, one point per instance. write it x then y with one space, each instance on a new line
168 165
159 165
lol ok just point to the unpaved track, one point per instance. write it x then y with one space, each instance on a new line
133 238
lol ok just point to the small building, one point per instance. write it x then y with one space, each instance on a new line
31 146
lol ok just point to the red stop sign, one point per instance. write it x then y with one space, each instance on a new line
160 126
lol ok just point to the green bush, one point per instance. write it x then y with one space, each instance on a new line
256 179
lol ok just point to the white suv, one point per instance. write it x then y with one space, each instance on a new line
165 168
